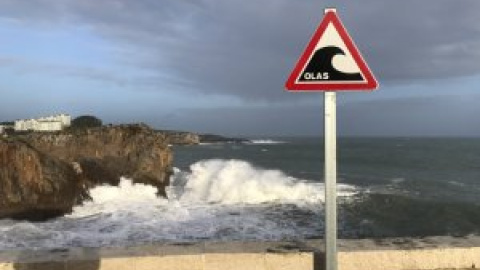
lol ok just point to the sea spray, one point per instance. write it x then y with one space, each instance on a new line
239 182
215 200
127 197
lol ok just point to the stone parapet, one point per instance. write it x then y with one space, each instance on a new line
392 254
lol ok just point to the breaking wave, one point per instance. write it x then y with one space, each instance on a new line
239 182
215 200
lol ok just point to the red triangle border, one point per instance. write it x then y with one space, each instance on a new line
370 82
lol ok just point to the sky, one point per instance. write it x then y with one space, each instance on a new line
215 66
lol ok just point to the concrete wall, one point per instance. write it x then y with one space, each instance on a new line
391 254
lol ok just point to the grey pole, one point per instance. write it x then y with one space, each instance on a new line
330 180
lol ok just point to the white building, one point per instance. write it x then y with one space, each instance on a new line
49 126
49 123
2 129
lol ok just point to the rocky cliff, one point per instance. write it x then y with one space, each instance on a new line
180 137
69 162
105 154
212 138
34 185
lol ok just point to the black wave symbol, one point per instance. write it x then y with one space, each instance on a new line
321 67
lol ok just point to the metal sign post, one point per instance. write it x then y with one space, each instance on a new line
317 70
330 132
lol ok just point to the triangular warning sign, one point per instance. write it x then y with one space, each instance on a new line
331 62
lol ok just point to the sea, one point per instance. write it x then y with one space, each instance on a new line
273 189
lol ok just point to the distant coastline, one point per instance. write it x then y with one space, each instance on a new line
188 137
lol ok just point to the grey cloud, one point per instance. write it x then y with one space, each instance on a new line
25 66
37 12
426 116
95 74
413 40
247 48
7 61
283 120
419 116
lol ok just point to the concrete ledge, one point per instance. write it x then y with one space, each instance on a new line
452 258
392 254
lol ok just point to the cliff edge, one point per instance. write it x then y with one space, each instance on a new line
35 186
52 171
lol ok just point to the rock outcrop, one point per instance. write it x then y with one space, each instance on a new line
190 138
105 154
34 185
180 137
63 165
212 138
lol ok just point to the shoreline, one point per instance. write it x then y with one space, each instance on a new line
440 252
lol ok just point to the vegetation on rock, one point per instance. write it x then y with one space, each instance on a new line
86 121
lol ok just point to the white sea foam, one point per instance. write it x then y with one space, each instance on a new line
217 199
126 197
238 182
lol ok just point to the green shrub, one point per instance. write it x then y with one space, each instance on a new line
86 121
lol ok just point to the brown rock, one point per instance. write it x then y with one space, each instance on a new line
180 137
35 186
105 154
43 175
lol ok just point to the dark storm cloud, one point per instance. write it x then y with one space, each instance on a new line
247 48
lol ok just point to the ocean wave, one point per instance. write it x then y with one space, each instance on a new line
239 182
127 197
217 200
